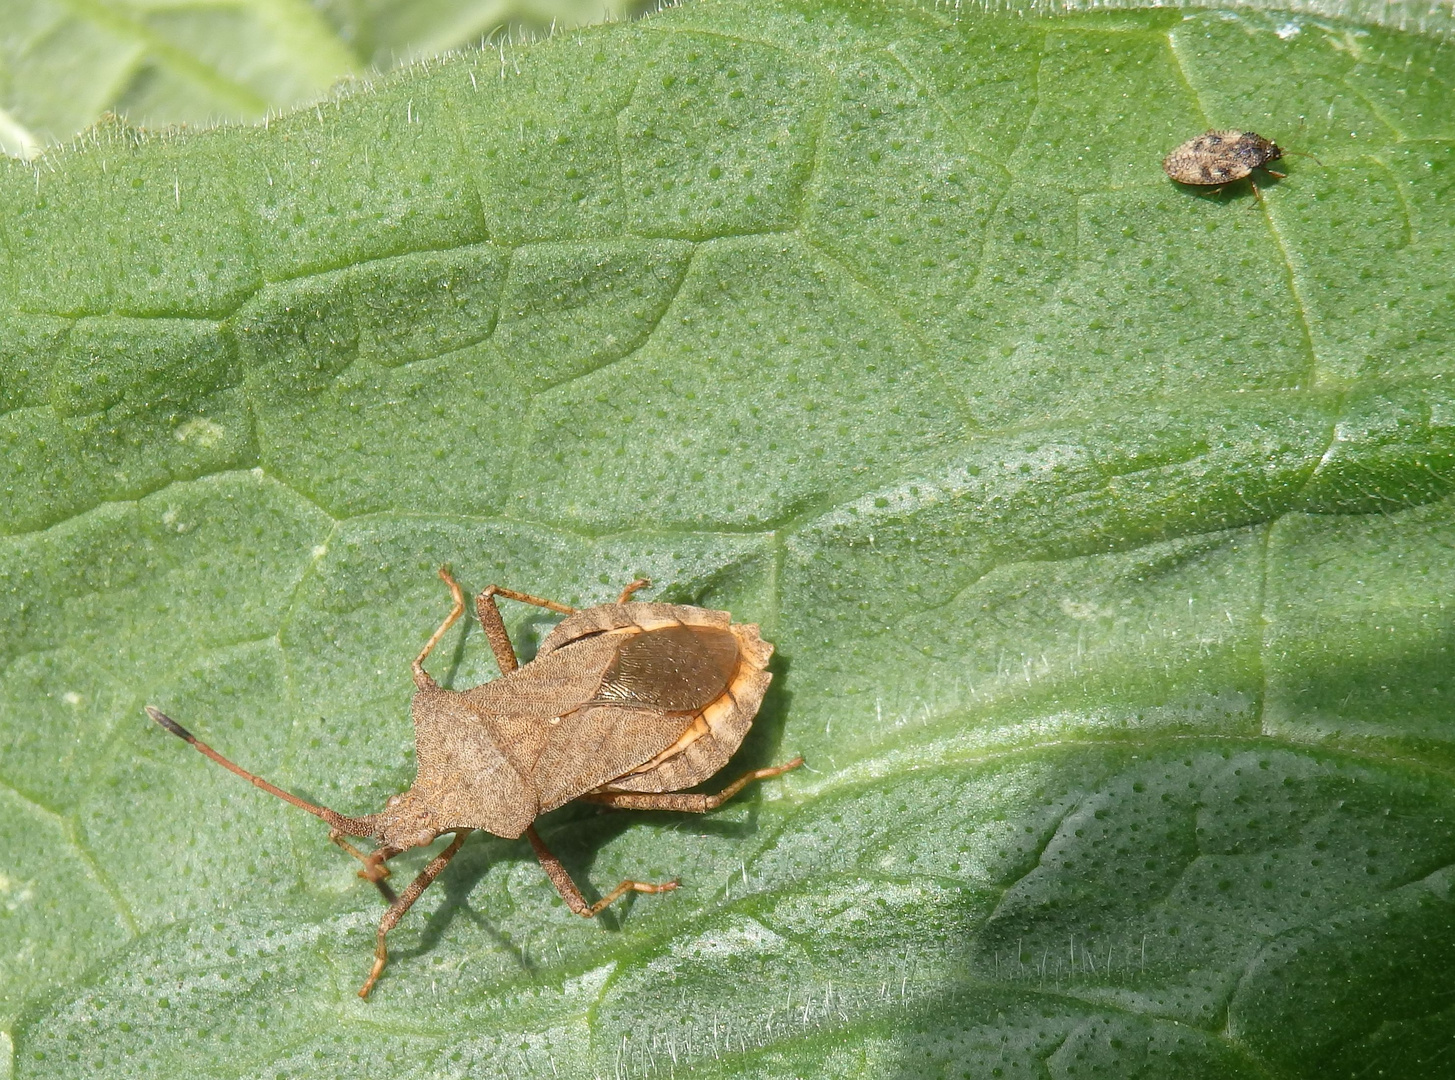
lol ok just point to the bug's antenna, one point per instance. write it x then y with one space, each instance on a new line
1302 153
352 826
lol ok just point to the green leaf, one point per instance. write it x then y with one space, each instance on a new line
387 33
64 63
1103 527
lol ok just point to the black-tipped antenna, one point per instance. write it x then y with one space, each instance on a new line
352 826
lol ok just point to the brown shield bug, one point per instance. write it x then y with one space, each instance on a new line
1221 157
625 704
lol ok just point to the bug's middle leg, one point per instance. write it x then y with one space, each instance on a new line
404 902
487 609
571 894
626 593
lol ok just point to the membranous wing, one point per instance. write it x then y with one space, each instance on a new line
673 668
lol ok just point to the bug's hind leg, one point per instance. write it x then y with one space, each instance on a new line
687 804
571 894
404 902
487 609
421 677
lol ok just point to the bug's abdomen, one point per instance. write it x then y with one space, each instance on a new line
674 668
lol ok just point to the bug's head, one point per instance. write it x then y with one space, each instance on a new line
407 821
1274 151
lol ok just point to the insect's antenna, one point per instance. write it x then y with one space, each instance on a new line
352 826
1300 153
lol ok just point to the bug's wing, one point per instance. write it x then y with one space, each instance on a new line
595 744
654 696
652 693
675 668
1218 157
715 733
549 685
643 616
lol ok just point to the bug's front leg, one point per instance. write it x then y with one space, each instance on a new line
374 869
404 902
571 894
421 677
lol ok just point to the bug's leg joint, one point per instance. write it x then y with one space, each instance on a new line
374 869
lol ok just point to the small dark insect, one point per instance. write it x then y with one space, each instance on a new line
1221 157
625 704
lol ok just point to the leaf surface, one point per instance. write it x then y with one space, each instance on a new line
1103 529
159 63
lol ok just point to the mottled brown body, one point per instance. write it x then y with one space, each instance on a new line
1220 157
625 704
